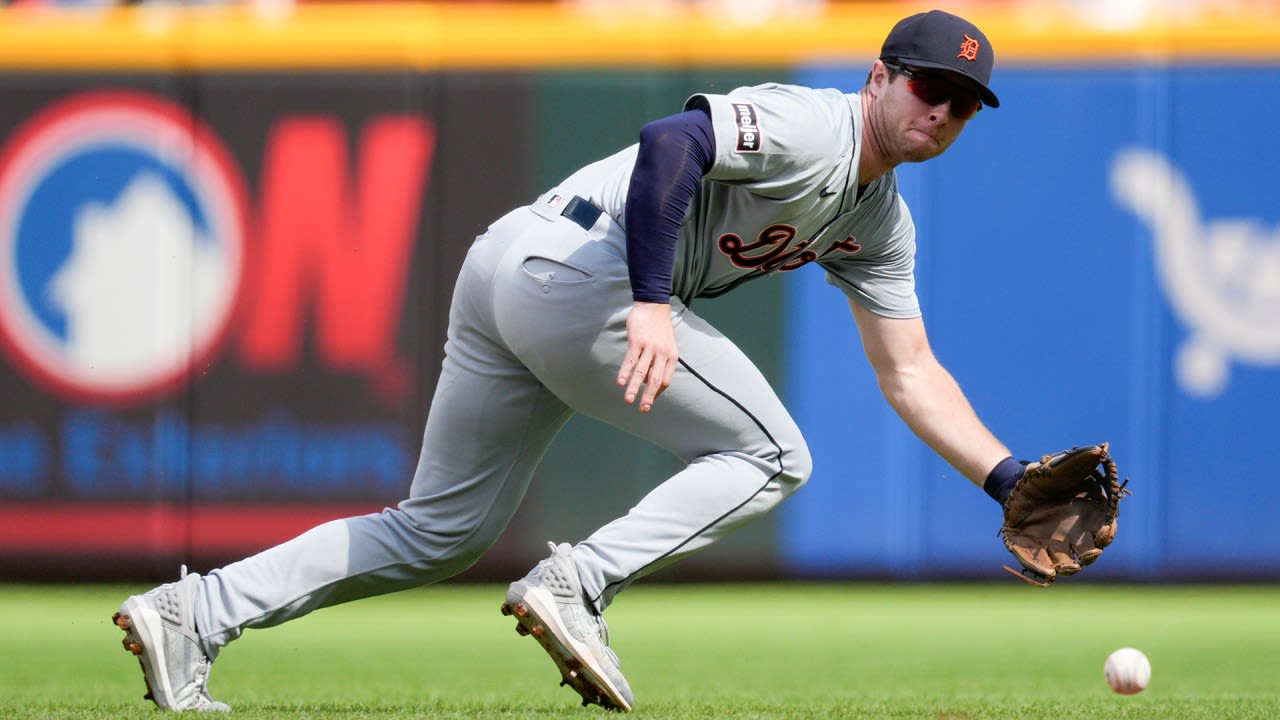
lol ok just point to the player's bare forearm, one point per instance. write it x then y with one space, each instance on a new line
651 354
933 406
926 396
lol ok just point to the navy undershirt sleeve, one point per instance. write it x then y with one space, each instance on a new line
675 152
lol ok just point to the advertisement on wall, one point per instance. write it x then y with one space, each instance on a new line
1107 276
1097 262
221 307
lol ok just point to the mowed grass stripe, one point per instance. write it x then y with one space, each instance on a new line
690 651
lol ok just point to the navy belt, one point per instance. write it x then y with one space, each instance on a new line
582 211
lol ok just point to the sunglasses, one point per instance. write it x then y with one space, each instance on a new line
935 90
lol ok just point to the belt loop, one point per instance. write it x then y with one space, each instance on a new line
582 211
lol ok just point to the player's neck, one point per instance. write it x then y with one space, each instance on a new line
872 162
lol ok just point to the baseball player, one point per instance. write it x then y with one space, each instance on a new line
583 302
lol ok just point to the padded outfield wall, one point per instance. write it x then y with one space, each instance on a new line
287 199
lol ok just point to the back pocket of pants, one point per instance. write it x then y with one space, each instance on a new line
554 272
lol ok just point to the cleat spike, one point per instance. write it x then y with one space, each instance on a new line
563 683
522 630
521 610
537 630
506 609
585 702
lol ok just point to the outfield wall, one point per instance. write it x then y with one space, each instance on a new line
1098 261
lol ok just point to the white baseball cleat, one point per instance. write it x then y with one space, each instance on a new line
161 631
548 604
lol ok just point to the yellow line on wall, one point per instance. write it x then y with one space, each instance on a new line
421 36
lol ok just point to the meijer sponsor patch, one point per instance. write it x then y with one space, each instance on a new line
749 136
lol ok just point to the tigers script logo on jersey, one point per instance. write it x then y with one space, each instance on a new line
749 136
772 249
122 224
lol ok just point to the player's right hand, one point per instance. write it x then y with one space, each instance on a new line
651 353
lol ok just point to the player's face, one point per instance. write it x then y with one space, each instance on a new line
920 114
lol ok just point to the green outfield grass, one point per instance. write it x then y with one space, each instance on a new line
936 652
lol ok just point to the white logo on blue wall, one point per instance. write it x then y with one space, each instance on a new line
1222 276
121 231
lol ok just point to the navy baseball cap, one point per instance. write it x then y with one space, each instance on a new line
942 41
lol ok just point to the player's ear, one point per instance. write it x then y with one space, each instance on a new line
878 78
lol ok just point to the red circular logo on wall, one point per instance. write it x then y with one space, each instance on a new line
122 239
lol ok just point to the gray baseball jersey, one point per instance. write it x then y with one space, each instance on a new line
537 331
783 193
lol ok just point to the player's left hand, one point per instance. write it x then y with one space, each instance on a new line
651 353
1062 513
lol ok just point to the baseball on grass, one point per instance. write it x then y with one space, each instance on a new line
1127 671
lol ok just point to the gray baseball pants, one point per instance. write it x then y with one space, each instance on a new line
537 331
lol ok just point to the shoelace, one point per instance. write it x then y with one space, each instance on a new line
603 629
205 665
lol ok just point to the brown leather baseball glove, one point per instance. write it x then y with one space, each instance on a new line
1062 513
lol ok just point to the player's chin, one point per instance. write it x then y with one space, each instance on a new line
920 154
924 147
